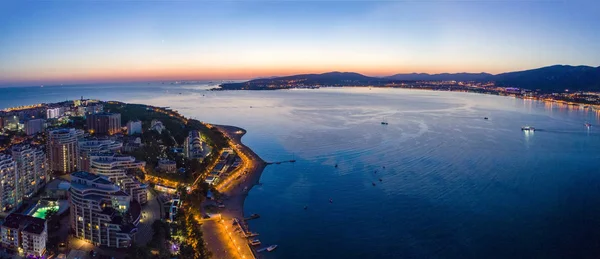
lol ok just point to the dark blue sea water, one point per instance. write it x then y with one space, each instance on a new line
454 185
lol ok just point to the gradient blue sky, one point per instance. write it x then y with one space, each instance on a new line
46 42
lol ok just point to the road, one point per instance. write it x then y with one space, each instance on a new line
151 212
223 241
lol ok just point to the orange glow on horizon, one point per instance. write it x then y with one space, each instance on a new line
218 73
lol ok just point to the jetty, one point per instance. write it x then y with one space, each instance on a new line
281 162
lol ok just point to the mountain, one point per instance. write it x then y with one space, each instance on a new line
553 78
325 79
546 79
441 77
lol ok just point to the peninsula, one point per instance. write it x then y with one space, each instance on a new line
571 84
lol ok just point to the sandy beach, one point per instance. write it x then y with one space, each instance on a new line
222 242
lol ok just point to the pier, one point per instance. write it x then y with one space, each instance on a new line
281 162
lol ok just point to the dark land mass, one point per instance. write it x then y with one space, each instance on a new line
553 79
309 80
544 80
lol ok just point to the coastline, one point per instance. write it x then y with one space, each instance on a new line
237 195
237 190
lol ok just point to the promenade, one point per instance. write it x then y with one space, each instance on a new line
223 237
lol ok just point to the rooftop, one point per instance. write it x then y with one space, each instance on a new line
91 177
26 223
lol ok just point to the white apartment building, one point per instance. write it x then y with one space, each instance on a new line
31 170
97 209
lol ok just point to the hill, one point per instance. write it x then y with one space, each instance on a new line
307 80
553 78
546 79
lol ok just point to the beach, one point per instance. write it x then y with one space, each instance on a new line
224 241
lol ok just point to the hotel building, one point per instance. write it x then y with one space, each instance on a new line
193 145
98 211
95 146
63 150
104 123
115 168
31 170
8 186
24 232
134 127
34 126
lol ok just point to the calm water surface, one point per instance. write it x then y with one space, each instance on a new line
454 185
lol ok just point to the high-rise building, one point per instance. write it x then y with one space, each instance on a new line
54 113
31 170
8 187
115 168
193 147
104 123
134 127
95 146
100 212
63 150
34 126
26 233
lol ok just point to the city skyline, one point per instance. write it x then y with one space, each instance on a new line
56 42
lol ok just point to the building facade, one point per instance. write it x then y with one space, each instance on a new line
63 150
98 209
104 123
24 232
31 170
8 186
167 166
115 168
95 146
134 127
55 113
193 146
34 126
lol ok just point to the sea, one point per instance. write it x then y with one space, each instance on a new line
438 181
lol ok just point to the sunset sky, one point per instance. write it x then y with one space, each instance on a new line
50 42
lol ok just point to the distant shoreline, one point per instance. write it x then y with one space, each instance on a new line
595 107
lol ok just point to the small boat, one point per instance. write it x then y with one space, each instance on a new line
380 180
587 124
485 118
528 128
384 123
305 207
373 184
255 242
336 166
375 171
330 200
293 161
271 248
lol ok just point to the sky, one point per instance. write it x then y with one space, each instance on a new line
71 41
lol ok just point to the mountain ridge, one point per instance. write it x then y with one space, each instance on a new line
555 78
